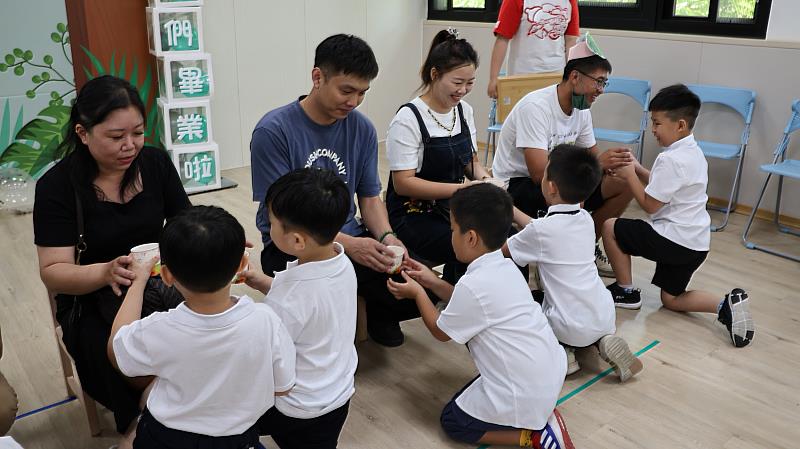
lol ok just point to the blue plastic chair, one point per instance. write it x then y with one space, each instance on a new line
639 91
742 101
492 131
780 167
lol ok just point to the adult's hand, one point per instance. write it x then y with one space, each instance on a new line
118 275
370 253
392 240
492 89
614 158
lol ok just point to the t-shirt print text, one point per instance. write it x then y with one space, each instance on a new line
557 139
334 158
547 21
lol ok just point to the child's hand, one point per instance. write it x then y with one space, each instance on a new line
420 273
408 289
257 280
626 171
142 270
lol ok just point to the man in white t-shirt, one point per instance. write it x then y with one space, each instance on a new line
218 361
539 34
520 363
576 303
678 235
558 114
315 297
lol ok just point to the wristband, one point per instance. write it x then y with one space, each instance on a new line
383 236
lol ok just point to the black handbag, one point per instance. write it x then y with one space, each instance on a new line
69 327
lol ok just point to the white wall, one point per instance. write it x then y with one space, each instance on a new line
783 17
263 53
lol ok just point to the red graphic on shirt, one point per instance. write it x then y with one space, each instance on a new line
547 20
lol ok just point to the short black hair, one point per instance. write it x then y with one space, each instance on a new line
575 171
485 209
345 54
677 102
586 65
313 200
202 246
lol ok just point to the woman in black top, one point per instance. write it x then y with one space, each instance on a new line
125 192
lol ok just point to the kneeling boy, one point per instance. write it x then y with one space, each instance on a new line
521 365
678 235
576 303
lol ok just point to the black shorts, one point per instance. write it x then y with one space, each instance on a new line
675 264
321 432
528 197
151 434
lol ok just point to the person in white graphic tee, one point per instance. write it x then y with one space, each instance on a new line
539 34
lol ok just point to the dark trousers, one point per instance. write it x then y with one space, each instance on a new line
382 307
151 434
428 237
321 432
104 384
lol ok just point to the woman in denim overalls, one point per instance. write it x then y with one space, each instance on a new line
431 149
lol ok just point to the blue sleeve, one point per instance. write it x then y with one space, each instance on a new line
369 184
269 159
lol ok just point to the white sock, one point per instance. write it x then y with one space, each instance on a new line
626 286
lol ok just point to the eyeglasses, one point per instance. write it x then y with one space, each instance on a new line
601 83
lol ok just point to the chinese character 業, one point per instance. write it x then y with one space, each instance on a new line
190 127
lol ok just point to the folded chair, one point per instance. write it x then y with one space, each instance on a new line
742 101
781 167
639 91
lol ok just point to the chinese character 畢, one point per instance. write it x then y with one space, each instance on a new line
190 80
190 127
176 29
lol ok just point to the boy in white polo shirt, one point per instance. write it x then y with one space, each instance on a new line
576 303
316 299
678 235
218 360
521 365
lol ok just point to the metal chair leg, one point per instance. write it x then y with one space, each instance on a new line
733 199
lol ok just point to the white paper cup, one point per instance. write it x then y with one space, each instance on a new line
143 253
238 278
397 254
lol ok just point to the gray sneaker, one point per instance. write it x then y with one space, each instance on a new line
615 352
735 315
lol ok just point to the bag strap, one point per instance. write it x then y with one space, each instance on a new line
80 247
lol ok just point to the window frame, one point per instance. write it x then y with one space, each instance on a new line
486 14
647 15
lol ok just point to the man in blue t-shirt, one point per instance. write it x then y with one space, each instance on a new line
324 130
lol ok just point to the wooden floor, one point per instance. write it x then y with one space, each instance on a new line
696 391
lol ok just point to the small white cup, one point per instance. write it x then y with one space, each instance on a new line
143 253
397 254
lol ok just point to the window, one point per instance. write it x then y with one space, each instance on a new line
737 18
464 10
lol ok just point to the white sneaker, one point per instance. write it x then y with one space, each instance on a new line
572 363
603 266
615 352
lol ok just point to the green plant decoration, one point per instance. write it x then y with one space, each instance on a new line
7 132
33 146
19 59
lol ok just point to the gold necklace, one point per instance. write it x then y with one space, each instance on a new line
441 125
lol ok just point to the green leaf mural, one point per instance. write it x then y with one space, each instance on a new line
7 130
35 145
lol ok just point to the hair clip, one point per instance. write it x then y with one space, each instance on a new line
453 32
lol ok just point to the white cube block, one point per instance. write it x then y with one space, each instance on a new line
185 122
198 168
172 30
185 76
174 3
